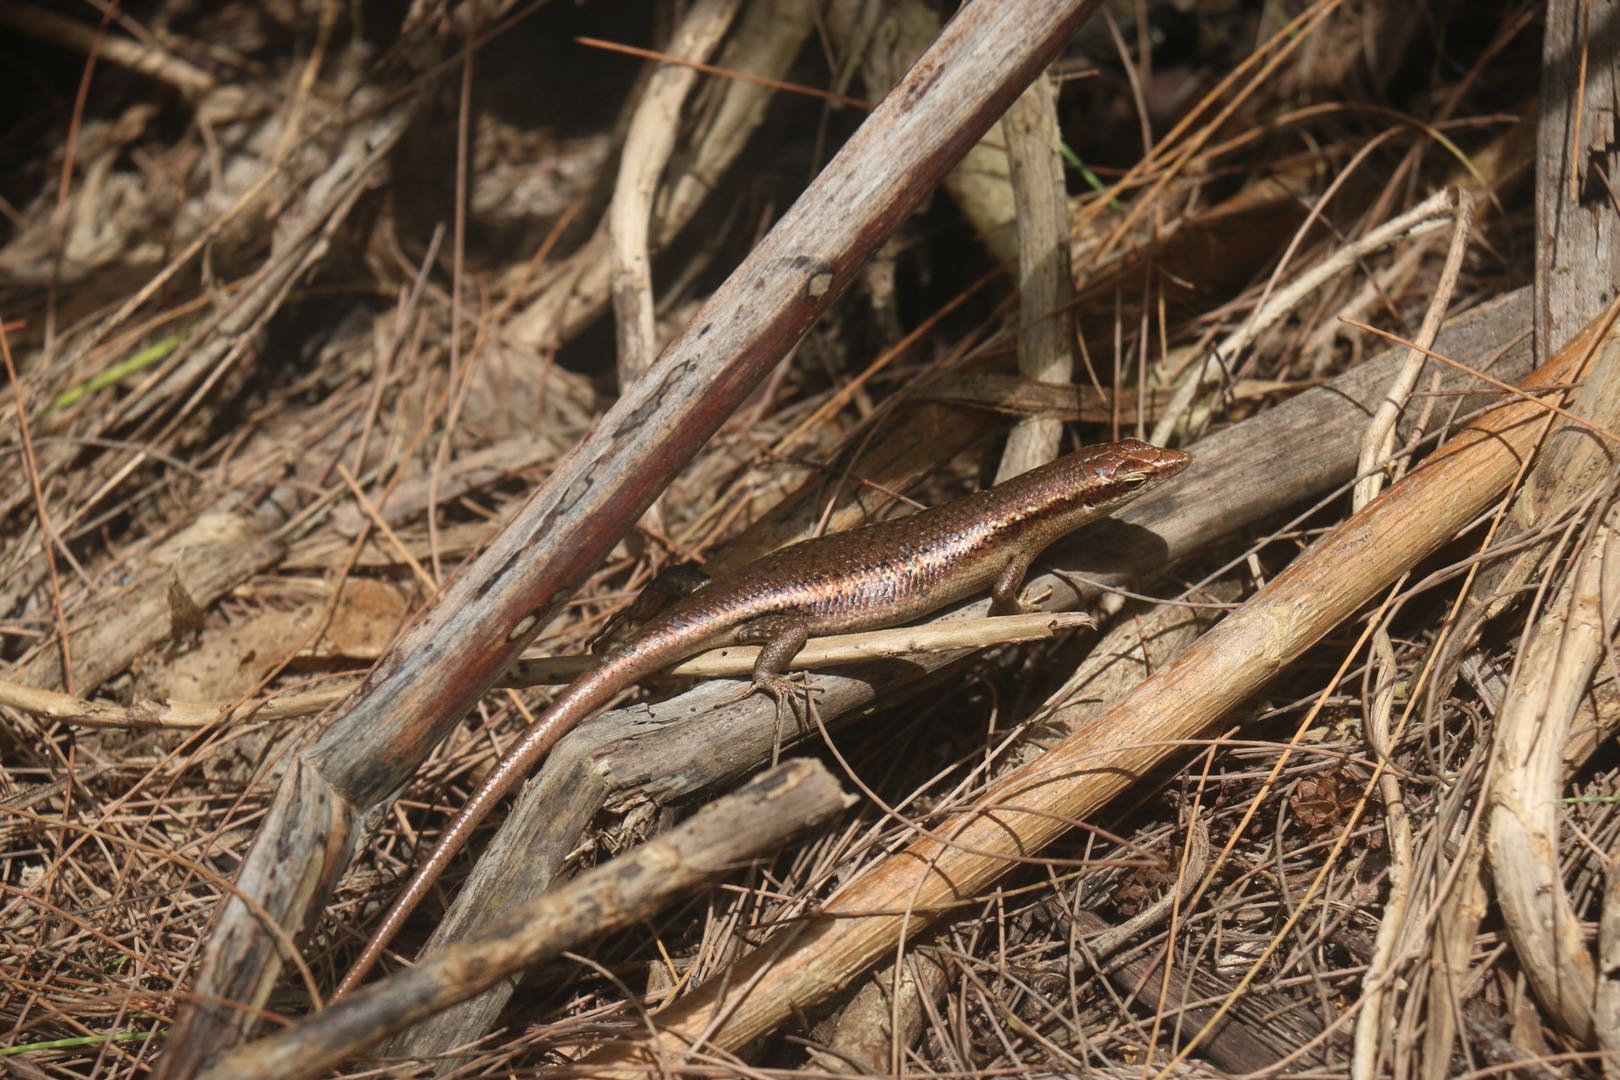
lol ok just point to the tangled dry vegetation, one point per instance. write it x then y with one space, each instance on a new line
303 317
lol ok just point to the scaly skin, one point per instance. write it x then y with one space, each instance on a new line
877 575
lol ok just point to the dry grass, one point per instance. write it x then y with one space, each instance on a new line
278 387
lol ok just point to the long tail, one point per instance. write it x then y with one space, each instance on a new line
583 697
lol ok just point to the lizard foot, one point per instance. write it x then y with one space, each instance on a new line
780 687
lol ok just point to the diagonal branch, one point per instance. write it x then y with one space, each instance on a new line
441 665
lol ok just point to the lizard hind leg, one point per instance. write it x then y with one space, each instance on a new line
782 636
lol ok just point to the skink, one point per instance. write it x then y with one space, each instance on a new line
877 575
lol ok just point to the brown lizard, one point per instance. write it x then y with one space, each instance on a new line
877 575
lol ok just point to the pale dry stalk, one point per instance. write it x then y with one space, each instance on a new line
647 148
1559 658
1378 444
1045 283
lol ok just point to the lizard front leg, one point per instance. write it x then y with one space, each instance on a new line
1004 594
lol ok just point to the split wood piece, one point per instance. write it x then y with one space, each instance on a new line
672 749
1026 811
895 999
1563 650
1144 637
1577 230
444 662
719 838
